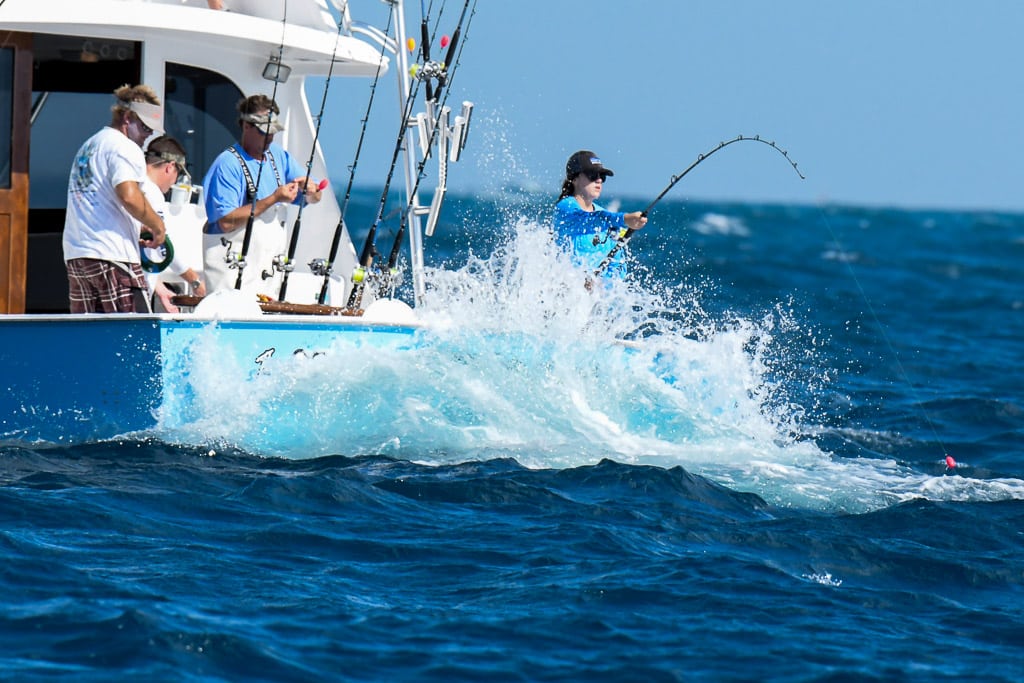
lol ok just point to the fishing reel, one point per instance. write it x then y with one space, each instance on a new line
428 71
359 275
232 258
321 267
389 281
381 280
280 264
612 233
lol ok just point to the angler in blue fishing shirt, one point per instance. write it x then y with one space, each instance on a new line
585 227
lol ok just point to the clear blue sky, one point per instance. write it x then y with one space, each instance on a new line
907 103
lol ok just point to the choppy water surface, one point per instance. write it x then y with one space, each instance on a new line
753 487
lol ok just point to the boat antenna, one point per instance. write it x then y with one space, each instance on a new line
445 76
247 239
624 236
369 250
287 263
325 267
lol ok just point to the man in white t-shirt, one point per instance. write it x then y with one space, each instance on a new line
106 206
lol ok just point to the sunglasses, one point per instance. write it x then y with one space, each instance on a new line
593 176
152 157
142 126
258 129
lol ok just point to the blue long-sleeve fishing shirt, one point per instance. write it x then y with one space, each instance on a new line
577 229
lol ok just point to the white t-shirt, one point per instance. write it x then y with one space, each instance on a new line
97 225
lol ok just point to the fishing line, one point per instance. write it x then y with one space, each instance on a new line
444 78
288 263
247 239
326 267
626 235
949 460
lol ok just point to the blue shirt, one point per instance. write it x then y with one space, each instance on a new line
225 187
577 229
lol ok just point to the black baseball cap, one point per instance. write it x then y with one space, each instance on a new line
585 161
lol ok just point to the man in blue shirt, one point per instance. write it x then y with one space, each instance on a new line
250 179
584 226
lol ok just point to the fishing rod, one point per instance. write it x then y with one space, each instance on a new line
324 267
425 44
287 265
247 239
627 234
443 79
369 248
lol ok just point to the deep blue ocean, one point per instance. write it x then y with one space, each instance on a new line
757 490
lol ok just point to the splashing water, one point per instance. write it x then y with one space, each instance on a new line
520 360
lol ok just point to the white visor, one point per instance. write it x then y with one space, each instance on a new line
266 123
150 114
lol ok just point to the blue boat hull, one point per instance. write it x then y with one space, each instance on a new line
73 379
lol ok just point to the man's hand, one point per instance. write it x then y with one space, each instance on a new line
313 190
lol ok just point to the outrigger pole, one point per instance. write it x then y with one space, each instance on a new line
625 236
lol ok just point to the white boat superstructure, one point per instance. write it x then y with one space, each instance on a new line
201 62
60 61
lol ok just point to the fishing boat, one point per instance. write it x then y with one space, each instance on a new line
73 378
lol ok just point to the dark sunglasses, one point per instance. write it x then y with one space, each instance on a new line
595 175
145 129
258 129
152 157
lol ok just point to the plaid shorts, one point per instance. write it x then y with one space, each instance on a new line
96 286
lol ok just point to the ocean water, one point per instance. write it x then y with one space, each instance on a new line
732 466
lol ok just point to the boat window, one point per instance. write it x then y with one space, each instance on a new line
200 111
6 114
73 78
63 133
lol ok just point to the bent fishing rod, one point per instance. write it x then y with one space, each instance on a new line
444 77
247 238
287 264
628 234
